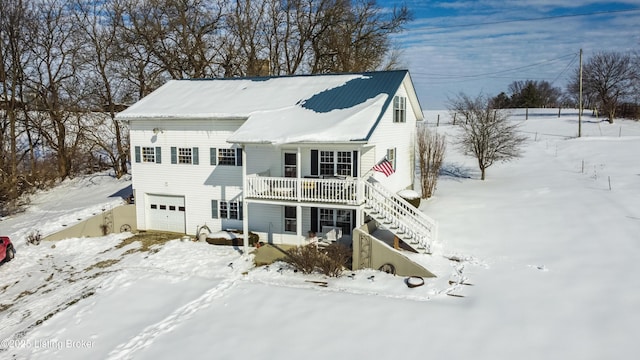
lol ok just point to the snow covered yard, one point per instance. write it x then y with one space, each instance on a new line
549 243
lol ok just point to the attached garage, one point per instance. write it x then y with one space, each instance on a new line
165 212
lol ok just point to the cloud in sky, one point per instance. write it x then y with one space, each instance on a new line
483 46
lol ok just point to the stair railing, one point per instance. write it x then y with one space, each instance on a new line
399 215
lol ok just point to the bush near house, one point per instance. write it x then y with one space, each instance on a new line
329 261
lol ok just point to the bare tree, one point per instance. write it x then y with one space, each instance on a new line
607 80
179 35
53 77
12 61
431 148
101 59
355 36
486 132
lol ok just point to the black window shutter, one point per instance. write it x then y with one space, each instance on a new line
239 210
174 155
354 171
158 155
137 153
214 209
239 157
314 163
213 156
196 156
314 219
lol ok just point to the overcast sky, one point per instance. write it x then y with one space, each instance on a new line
483 46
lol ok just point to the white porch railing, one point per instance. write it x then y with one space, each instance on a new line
400 217
395 213
337 191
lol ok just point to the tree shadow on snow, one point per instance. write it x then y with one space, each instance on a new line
456 171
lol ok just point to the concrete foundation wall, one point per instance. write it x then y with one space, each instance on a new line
371 253
116 220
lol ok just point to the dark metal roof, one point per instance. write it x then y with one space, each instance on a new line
357 91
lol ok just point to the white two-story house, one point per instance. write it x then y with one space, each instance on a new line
277 156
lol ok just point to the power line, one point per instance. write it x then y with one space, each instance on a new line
565 69
501 71
532 19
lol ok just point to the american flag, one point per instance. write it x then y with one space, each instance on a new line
384 167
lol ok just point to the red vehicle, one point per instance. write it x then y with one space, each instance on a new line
7 251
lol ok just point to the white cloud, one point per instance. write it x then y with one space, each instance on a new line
446 58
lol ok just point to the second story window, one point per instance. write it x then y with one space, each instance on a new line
336 163
327 163
148 154
184 155
399 109
226 156
330 163
391 156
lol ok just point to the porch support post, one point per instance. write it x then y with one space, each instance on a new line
299 222
299 192
298 175
245 204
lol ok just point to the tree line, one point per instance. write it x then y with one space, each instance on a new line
610 85
68 66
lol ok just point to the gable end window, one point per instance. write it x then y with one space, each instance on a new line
399 109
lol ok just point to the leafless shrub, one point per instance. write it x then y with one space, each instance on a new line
431 148
304 258
308 258
334 260
34 238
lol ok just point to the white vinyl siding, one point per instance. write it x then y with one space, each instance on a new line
197 184
394 135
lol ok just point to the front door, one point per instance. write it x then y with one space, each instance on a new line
290 165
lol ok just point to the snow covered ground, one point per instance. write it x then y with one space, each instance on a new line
550 243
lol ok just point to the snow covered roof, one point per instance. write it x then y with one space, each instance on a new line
287 109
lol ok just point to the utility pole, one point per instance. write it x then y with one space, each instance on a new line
580 99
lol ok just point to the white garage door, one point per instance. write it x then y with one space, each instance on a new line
166 213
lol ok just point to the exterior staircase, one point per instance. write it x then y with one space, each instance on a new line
395 214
